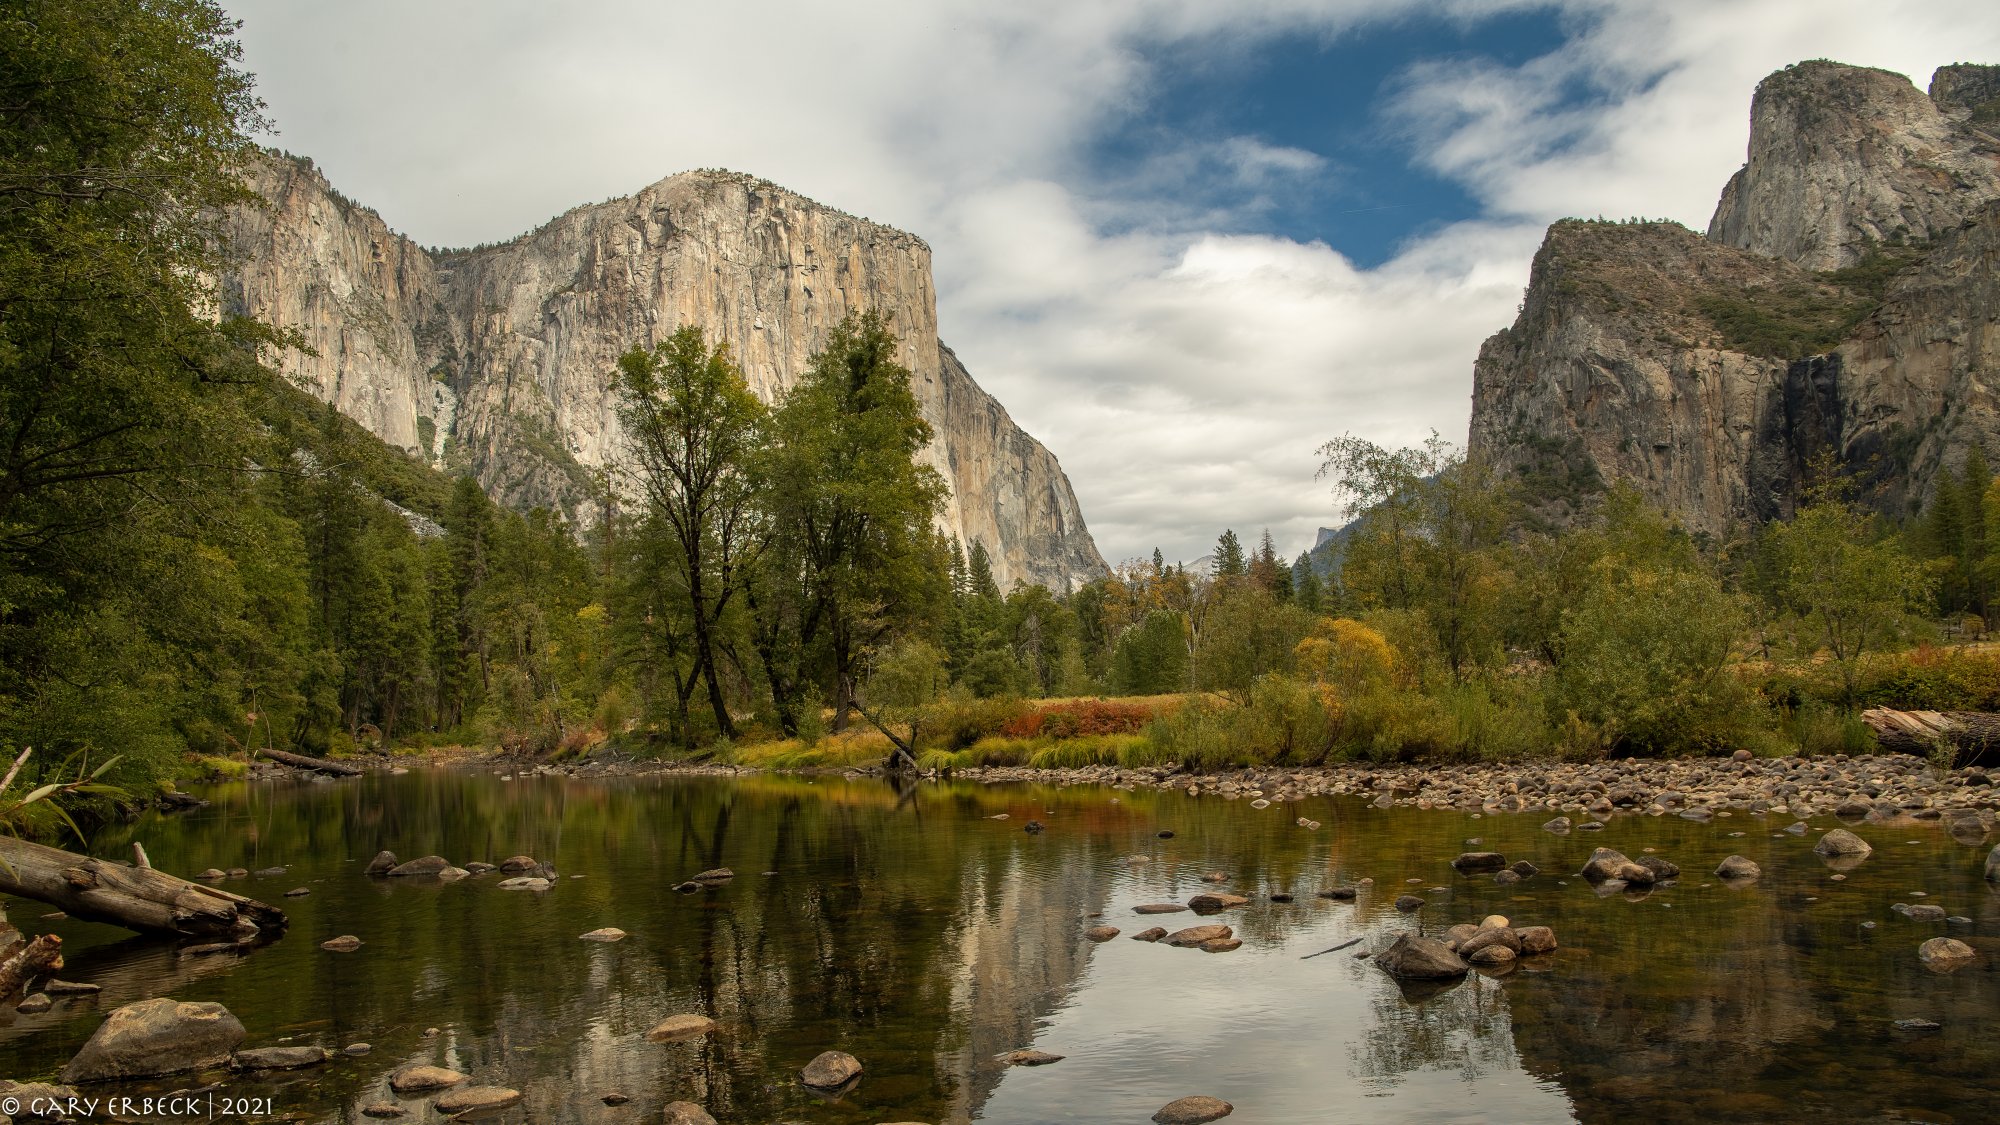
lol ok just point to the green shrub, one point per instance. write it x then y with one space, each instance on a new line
1819 729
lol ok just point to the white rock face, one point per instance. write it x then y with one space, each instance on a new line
499 359
1844 155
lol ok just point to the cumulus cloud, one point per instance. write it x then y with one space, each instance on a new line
1181 364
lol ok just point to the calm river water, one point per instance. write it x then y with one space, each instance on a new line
918 934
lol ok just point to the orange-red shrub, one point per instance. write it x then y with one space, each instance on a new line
1079 719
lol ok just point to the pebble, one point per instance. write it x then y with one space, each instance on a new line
345 943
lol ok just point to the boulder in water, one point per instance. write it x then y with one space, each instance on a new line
156 1037
1420 958
830 1070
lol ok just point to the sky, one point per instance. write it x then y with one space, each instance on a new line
1184 243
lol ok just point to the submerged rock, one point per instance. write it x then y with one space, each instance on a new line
1340 894
1420 958
476 1099
1943 954
156 1037
1195 935
422 1077
1841 842
830 1070
1213 901
676 1028
1661 869
1409 903
278 1058
1738 867
1030 1058
1604 864
686 1113
1471 863
1193 1110
1221 945
1160 908
345 943
713 876
524 883
1993 865
423 865
1536 939
383 1109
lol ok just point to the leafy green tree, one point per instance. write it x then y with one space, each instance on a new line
124 420
904 681
1647 656
852 505
1846 587
1151 658
1247 633
693 424
1431 524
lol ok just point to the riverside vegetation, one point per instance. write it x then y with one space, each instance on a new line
197 560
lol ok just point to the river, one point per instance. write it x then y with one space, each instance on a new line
912 929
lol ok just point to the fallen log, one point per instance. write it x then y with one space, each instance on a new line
301 761
137 898
1972 736
40 957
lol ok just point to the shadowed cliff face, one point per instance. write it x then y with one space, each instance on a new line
498 359
1840 306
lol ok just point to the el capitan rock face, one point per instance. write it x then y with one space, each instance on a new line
1630 361
498 359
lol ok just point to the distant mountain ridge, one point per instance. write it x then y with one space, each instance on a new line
497 359
1842 305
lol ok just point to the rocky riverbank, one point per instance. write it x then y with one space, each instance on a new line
1854 787
1882 786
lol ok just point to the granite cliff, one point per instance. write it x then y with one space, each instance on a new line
497 359
1840 306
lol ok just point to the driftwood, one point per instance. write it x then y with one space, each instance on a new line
1973 736
339 769
137 898
40 957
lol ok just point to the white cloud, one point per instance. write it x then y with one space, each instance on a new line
1182 369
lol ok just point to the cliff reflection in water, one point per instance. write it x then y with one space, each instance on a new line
911 929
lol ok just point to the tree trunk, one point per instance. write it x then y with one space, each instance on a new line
1974 736
42 955
303 762
137 898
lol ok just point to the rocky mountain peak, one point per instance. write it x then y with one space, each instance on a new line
498 359
1840 306
1845 158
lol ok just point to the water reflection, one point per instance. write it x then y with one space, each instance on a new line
911 929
